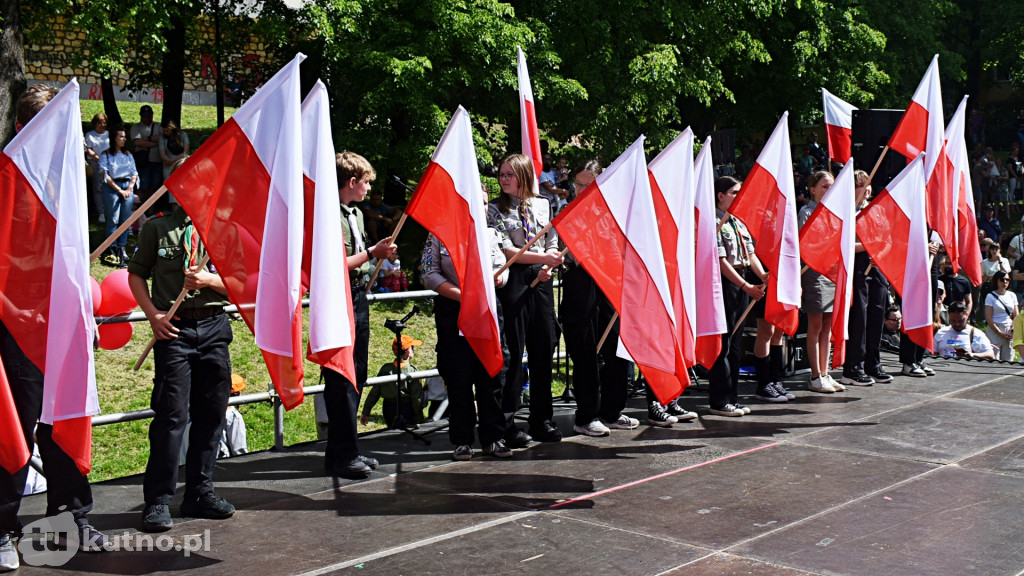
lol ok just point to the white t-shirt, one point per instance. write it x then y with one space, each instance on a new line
947 341
98 143
1001 307
989 268
387 266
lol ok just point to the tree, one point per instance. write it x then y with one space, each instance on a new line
12 67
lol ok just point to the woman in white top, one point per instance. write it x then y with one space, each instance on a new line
97 141
1000 310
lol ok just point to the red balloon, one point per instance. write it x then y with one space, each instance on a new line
115 335
97 295
116 296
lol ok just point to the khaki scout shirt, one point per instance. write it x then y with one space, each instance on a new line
734 242
161 254
357 275
515 233
438 267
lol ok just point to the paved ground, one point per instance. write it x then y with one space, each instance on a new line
918 477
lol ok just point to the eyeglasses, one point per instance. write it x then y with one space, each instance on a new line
578 184
506 175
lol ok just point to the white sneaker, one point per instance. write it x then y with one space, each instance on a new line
727 410
623 423
835 384
594 428
8 554
821 384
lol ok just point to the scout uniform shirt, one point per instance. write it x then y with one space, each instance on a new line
734 242
354 244
515 230
437 264
162 253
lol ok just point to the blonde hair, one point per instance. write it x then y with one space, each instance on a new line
522 167
352 165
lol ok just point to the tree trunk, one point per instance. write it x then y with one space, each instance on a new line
110 104
12 67
173 71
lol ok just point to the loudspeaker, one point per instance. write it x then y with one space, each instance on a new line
871 132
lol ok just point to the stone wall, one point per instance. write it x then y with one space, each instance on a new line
55 61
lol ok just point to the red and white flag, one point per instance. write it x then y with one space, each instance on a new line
611 229
838 126
14 452
528 118
44 268
894 231
672 187
711 322
963 196
767 205
244 192
827 245
331 323
449 203
921 129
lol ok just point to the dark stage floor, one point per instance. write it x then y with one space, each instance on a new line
917 477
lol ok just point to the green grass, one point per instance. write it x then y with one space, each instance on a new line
198 121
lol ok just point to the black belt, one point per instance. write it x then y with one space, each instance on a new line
120 180
199 313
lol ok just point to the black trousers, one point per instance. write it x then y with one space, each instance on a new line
66 486
529 315
192 378
724 377
867 315
585 313
466 378
341 398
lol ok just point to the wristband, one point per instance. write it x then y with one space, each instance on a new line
369 255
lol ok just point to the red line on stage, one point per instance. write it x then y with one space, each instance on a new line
659 476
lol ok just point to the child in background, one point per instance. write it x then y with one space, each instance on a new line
392 277
403 406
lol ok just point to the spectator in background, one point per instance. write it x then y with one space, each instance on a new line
1001 308
548 189
958 288
146 137
805 163
960 340
745 163
1015 170
993 262
989 224
380 217
173 145
1018 336
97 141
120 177
816 151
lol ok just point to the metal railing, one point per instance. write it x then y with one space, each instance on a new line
271 395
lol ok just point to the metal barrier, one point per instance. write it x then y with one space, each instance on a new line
271 395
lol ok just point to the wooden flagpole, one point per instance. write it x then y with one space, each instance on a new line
127 224
170 314
380 261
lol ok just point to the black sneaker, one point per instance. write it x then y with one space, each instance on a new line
881 376
547 432
658 416
354 469
209 506
681 414
770 394
857 378
89 539
462 453
518 439
156 518
498 450
371 462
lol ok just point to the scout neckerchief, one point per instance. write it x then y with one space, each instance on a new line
524 217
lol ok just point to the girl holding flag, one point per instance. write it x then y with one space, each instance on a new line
529 313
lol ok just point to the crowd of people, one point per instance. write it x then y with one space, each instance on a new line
193 380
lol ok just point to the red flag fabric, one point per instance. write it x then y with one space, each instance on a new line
672 187
528 130
711 322
767 205
838 126
243 190
922 130
963 196
827 244
332 325
44 268
14 452
611 229
449 203
893 230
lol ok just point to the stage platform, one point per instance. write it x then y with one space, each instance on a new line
916 477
